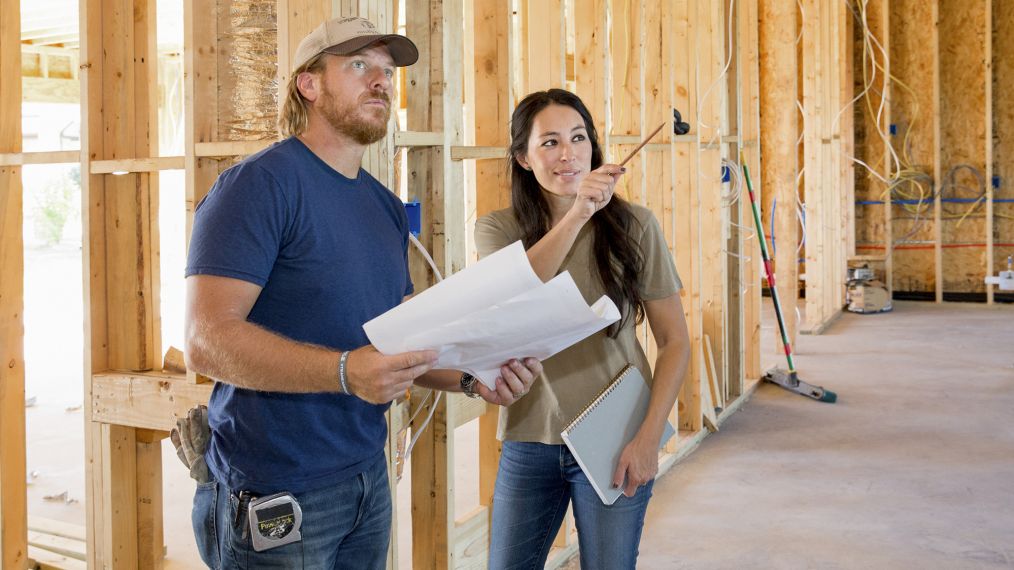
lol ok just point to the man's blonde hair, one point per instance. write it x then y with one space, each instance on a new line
293 119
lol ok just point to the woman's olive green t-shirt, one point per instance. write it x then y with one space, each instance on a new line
573 377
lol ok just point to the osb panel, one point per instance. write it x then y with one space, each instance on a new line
963 133
914 269
1003 129
912 65
869 218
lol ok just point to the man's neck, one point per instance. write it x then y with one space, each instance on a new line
336 149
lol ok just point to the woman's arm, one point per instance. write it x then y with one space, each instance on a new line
596 189
516 378
639 462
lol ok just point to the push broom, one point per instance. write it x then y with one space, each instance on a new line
786 379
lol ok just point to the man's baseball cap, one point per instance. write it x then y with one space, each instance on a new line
345 36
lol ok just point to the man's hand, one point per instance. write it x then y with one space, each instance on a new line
380 379
516 379
190 437
638 464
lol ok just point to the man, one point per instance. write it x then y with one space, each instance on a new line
293 250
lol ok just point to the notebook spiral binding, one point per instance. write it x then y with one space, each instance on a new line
598 398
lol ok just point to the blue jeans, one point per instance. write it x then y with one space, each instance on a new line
535 484
347 525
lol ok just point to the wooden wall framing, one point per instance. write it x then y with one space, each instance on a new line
632 61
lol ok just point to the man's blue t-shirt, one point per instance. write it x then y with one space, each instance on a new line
330 254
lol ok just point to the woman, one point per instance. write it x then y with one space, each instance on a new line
564 211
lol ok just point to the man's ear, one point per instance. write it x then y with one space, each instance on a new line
308 85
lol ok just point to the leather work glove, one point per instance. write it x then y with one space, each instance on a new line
190 437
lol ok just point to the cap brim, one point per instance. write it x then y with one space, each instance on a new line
402 50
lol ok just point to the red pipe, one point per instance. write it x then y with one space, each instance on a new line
931 246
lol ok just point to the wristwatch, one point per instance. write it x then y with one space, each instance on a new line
468 385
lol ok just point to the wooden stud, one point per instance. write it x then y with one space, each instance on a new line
687 205
201 55
492 103
150 543
749 143
938 263
435 96
1003 130
712 280
591 69
988 121
120 257
779 130
13 503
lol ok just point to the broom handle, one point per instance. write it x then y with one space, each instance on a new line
767 263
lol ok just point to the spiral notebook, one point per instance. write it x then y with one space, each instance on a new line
597 436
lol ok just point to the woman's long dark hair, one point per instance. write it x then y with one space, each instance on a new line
616 253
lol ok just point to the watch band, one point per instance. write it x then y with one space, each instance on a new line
468 385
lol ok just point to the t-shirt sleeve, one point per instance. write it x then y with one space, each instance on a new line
491 235
660 277
239 227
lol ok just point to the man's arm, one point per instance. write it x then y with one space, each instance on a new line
222 344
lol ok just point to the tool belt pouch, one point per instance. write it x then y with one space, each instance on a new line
274 521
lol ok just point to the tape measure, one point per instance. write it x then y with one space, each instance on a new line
275 521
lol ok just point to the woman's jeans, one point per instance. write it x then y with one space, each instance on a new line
535 484
347 525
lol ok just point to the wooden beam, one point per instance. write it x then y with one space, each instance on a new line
480 153
133 165
69 547
57 528
52 157
46 560
230 149
149 400
418 138
13 502
471 547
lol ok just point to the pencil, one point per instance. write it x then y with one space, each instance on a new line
640 146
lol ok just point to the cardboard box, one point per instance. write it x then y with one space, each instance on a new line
867 297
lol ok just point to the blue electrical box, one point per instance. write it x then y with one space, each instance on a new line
726 175
414 212
894 129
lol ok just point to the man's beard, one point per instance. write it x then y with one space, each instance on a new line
348 119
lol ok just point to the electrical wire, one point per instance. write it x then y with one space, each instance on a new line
417 432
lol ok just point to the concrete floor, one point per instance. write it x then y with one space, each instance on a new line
912 468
